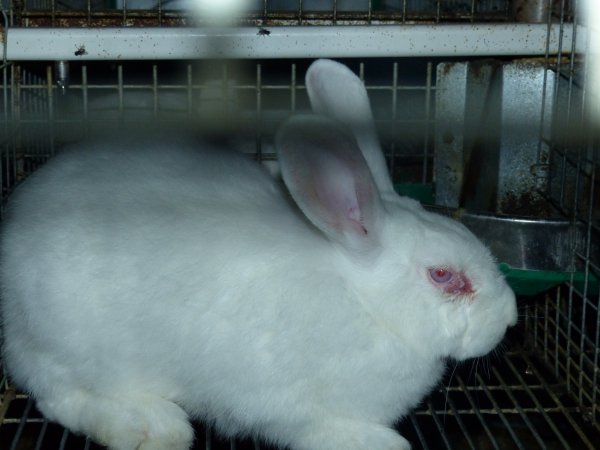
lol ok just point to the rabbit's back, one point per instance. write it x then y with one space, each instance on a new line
104 248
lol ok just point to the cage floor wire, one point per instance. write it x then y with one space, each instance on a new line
510 400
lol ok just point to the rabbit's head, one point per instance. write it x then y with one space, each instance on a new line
421 276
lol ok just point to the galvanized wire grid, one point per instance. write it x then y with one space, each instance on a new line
510 401
543 393
207 97
288 12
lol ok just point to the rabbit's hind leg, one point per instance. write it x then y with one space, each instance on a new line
122 422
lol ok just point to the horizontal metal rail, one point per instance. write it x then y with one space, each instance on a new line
441 40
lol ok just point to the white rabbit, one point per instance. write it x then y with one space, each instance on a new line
145 284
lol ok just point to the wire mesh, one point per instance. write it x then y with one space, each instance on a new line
511 401
543 392
250 98
271 11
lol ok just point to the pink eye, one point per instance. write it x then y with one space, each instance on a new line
440 275
450 282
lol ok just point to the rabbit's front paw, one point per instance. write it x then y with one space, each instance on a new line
351 435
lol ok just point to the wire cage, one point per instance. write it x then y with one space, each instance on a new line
495 130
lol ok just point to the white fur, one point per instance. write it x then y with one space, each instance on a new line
145 283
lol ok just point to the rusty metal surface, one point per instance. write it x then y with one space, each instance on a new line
46 18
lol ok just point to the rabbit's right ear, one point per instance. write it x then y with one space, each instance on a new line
329 179
336 92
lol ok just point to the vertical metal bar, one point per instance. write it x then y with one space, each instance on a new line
439 425
335 12
258 155
585 299
225 103
477 412
526 319
392 160
541 158
189 85
565 411
415 424
155 90
427 119
189 89
460 422
557 333
501 414
5 144
15 116
596 381
120 89
517 406
22 422
40 439
63 439
578 184
50 91
293 87
207 439
53 12
84 96
546 329
563 178
569 339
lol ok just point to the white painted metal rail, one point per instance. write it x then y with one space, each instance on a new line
479 39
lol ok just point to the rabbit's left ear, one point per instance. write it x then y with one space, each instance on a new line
329 179
335 91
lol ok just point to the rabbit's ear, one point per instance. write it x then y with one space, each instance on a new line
329 179
335 91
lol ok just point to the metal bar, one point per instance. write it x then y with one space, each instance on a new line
293 87
259 112
518 407
63 439
459 421
128 43
415 424
438 425
499 411
120 89
565 411
84 96
22 422
427 119
537 403
155 90
561 353
50 105
41 435
477 412
392 161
